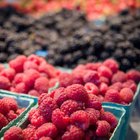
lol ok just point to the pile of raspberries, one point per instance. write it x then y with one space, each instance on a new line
9 111
30 75
104 80
69 113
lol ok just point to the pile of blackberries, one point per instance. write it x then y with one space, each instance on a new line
70 39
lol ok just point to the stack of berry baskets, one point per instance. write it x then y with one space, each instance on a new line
13 108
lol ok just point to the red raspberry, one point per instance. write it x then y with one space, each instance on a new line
31 113
104 80
17 64
12 103
112 95
46 108
117 86
119 77
70 106
73 133
4 107
110 118
94 102
112 64
36 119
4 83
46 130
28 133
18 78
21 88
103 88
130 84
20 110
92 77
42 97
77 92
133 75
30 76
30 65
35 59
3 121
65 79
14 133
60 95
1 67
93 66
93 114
9 73
34 93
45 138
103 128
59 119
91 88
105 71
126 95
90 135
41 85
11 115
77 79
52 82
81 119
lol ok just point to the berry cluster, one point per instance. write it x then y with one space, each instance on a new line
32 75
66 114
9 111
104 80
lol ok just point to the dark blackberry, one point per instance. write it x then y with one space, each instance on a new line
124 12
77 55
110 46
3 57
118 54
125 64
104 55
130 55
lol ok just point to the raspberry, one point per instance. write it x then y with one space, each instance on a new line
9 73
130 84
41 85
92 77
117 86
104 80
110 118
73 133
12 103
119 77
77 92
35 59
94 102
34 93
30 65
112 95
30 76
18 78
112 64
36 119
81 119
133 75
46 108
4 83
126 94
59 119
93 114
21 88
60 95
14 133
93 66
17 64
105 72
91 88
103 128
46 130
103 88
45 138
20 110
65 80
11 115
90 135
42 97
70 106
28 133
3 121
4 107
77 79
31 113
1 67
52 82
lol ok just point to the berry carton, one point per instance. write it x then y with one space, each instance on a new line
23 101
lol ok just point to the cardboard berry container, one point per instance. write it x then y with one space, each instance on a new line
118 112
24 101
128 108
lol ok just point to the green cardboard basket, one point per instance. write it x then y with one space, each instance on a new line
23 102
